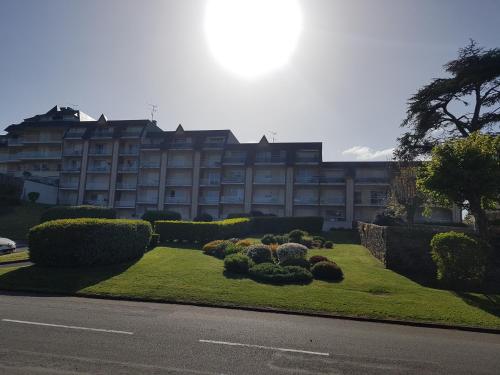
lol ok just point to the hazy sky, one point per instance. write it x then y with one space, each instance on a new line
355 65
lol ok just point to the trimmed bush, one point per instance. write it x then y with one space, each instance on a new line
244 243
328 245
319 239
297 235
299 262
75 212
204 217
201 231
289 251
278 225
237 263
268 239
153 216
216 248
273 273
259 253
232 248
317 258
327 270
281 239
86 242
460 259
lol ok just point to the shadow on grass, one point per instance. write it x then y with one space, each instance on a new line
60 279
486 302
343 236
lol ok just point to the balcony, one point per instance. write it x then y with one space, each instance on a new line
306 200
181 146
233 179
67 201
210 163
126 186
14 142
178 182
216 145
128 168
125 204
267 200
333 201
97 186
96 202
34 140
270 159
72 153
231 199
147 200
209 182
71 169
99 169
269 180
372 180
74 134
39 155
150 164
68 185
134 152
307 180
149 183
131 133
234 160
332 180
177 200
103 133
313 159
208 200
180 164
104 152
371 203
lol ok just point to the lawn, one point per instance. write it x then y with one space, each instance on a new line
187 275
16 221
17 256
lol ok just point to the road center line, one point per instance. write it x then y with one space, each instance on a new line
69 327
264 347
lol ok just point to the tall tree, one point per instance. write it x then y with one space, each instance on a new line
466 172
447 108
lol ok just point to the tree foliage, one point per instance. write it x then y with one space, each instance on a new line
454 107
466 172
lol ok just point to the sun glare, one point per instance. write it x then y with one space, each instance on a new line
252 37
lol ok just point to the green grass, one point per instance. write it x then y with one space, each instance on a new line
187 275
17 256
16 221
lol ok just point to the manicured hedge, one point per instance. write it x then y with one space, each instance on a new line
153 215
202 231
275 274
85 242
74 212
279 225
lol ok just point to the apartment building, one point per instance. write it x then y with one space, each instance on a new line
134 166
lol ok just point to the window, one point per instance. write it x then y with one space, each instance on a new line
357 197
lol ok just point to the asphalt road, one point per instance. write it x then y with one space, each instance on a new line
65 335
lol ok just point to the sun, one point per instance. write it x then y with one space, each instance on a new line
252 37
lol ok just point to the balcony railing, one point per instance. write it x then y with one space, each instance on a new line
233 179
307 159
209 200
269 180
234 159
267 200
207 144
14 142
150 164
131 133
307 179
69 168
102 169
332 201
125 203
331 180
147 200
103 134
97 186
96 202
126 185
181 146
42 140
39 155
210 163
68 185
178 182
372 180
270 159
305 200
128 168
105 152
72 153
129 152
209 182
149 183
371 202
231 199
177 200
74 134
179 164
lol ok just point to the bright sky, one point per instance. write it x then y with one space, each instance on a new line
346 83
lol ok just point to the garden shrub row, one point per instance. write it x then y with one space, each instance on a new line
202 231
154 215
87 241
278 225
73 212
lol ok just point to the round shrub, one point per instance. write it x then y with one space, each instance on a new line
299 262
273 273
154 215
460 259
327 270
289 251
237 263
319 239
281 239
328 245
244 243
296 235
259 253
75 212
268 239
232 248
307 242
216 248
317 258
86 242
204 217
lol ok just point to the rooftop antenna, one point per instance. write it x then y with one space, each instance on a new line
154 109
273 135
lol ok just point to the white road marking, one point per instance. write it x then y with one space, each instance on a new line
69 327
264 347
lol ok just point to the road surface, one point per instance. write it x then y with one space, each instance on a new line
69 335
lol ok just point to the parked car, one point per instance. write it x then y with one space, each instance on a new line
7 246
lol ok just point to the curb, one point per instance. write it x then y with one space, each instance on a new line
410 323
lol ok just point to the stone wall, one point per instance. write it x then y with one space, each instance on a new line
402 249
